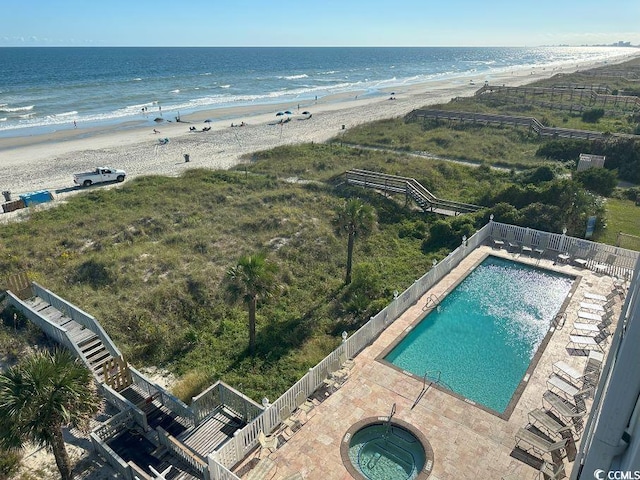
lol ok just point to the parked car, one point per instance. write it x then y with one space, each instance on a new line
99 175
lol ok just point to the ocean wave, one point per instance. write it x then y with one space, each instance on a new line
175 91
65 114
137 79
3 119
225 86
296 77
16 109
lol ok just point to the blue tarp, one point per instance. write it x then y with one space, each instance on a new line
34 198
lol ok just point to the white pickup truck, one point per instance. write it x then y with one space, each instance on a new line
99 175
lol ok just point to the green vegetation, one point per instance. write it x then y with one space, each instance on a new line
40 396
354 218
154 259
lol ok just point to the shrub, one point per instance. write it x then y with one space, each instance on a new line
597 180
593 115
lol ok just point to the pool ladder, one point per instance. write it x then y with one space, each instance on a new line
425 387
432 302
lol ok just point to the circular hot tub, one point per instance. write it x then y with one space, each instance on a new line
374 449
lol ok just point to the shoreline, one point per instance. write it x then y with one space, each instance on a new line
48 161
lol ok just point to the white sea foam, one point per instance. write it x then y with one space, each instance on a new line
175 91
296 77
225 86
137 79
3 119
65 114
16 109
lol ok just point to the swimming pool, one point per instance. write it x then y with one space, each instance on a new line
483 335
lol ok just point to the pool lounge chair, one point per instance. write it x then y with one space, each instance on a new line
540 418
592 329
598 307
564 408
581 342
268 444
497 238
604 318
601 298
567 371
304 404
607 265
289 421
526 244
543 243
557 384
539 444
580 258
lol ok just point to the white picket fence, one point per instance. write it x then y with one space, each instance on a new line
246 439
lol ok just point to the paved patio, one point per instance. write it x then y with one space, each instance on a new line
468 442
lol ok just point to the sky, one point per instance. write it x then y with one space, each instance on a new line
320 23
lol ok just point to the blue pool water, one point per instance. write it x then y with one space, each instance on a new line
485 332
384 453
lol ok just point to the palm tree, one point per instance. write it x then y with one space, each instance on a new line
355 218
41 395
253 278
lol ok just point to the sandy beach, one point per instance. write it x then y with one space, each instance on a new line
31 163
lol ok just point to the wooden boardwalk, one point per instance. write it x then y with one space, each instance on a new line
411 188
213 432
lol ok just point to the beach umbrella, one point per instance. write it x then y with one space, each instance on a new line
279 114
288 112
207 121
306 113
158 119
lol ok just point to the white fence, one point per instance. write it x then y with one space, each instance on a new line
246 439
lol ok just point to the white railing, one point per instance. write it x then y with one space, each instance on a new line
183 453
166 399
77 315
247 438
124 405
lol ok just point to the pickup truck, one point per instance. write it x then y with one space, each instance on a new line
99 175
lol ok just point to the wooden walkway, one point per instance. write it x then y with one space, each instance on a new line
411 188
513 120
214 432
95 353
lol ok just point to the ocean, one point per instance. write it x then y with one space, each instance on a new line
43 90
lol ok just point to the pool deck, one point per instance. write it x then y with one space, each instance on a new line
468 442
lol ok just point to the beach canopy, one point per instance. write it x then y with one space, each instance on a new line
288 112
279 114
306 113
207 120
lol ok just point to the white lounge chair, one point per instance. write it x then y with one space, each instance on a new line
564 370
559 384
289 421
590 329
537 443
597 306
579 259
605 318
600 298
304 404
581 342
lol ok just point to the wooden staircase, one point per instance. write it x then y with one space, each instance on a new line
412 189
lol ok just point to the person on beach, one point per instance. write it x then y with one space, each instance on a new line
75 125
156 131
